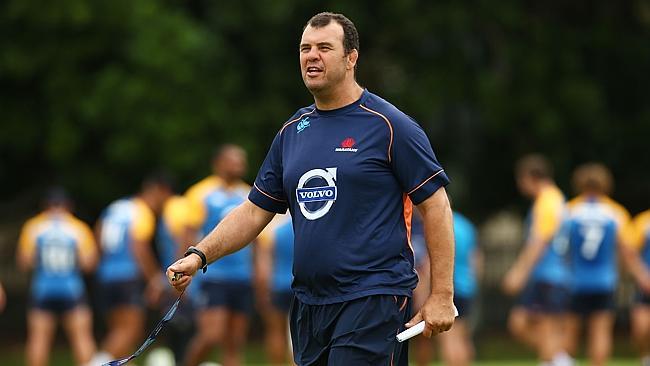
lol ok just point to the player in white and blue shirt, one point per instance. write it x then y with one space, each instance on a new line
349 169
273 272
57 248
455 345
596 230
223 296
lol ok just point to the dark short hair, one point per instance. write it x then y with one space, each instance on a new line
534 165
593 177
220 150
350 34
160 178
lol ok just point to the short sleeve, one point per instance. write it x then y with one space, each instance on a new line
625 233
547 213
414 163
27 239
639 229
268 190
195 205
144 224
86 239
176 215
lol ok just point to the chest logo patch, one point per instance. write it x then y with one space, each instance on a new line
347 145
316 200
304 123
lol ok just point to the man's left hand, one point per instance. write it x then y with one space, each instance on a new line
438 315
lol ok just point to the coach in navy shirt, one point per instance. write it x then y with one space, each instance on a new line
350 167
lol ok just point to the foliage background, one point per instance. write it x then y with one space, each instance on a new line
95 94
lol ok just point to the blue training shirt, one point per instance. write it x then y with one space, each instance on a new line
594 227
282 257
465 284
464 274
55 242
349 177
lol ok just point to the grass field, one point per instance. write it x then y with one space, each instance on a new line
13 356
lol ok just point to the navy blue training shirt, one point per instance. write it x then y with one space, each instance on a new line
348 176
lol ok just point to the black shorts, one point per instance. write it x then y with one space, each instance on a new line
463 305
545 298
588 303
281 300
234 296
356 332
121 293
58 306
642 298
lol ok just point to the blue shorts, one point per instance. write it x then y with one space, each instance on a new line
234 296
59 305
544 298
121 293
357 332
588 303
281 300
463 305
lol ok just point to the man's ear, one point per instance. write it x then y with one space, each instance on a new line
352 59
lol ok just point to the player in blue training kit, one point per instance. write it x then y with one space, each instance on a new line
456 344
540 274
349 168
172 232
128 268
57 247
596 229
640 317
224 297
274 262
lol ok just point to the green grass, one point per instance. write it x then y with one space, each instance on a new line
13 356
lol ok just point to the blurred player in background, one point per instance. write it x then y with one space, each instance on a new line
456 344
3 298
57 247
128 267
273 276
224 299
641 310
596 228
540 270
173 232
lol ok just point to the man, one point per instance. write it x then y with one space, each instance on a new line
640 317
456 344
537 318
349 168
224 297
57 247
128 267
273 263
596 228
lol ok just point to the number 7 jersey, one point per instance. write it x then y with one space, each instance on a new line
594 227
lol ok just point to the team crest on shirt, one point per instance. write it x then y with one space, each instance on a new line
347 145
316 192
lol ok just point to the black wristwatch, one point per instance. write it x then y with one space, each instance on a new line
204 260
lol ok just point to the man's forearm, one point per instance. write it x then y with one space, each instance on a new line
241 226
439 236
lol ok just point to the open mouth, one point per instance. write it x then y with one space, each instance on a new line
314 71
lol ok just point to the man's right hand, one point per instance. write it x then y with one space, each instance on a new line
187 267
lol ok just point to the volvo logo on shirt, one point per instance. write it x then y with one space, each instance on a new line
316 201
